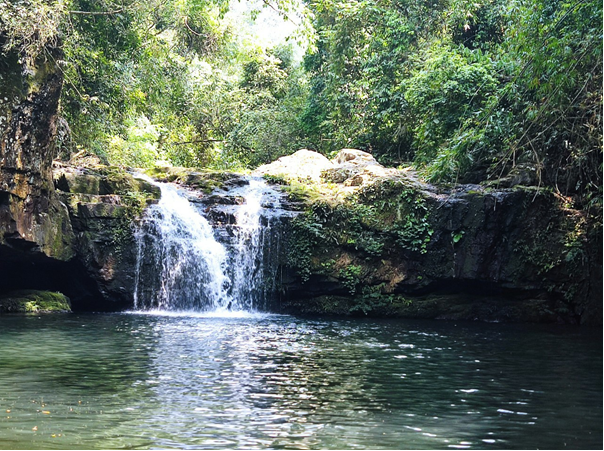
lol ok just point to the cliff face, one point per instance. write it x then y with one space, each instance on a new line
376 241
36 237
61 228
104 203
31 218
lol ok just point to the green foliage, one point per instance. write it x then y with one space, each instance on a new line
357 72
402 211
305 234
164 81
415 231
465 89
275 179
351 277
443 93
139 148
555 52
29 26
273 95
456 237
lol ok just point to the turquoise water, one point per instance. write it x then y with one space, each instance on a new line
280 382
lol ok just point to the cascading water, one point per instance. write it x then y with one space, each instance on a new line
186 264
253 272
180 265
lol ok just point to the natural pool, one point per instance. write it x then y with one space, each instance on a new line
272 381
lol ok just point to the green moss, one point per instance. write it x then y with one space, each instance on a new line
384 218
82 183
275 179
351 277
34 301
162 174
200 179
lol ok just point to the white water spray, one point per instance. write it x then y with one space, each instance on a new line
191 272
182 266
249 266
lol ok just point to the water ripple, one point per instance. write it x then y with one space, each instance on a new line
273 382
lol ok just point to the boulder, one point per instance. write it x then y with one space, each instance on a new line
354 157
356 168
304 165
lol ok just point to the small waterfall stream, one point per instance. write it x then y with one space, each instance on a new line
248 263
215 253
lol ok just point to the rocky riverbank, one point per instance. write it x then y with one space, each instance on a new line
364 239
377 241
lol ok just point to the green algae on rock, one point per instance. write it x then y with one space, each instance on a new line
34 301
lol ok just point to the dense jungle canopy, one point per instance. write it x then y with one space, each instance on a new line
465 90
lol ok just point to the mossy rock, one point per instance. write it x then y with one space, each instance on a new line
200 179
72 182
34 301
102 180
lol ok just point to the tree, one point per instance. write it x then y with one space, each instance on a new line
466 89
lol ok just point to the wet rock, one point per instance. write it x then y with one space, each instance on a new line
103 220
72 182
499 255
205 181
219 217
217 199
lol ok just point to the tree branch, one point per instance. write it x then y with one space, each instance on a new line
201 141
98 13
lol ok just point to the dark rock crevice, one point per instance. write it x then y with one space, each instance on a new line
23 269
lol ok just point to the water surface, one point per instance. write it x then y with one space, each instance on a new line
270 381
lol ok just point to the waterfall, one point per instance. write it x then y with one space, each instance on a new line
252 271
186 263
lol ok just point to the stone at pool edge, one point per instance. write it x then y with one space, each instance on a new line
34 301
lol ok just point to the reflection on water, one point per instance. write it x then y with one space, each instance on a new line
269 381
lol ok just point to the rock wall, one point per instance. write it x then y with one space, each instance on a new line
31 218
103 203
36 238
379 242
71 232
